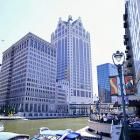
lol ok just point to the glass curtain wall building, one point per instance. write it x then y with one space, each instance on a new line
28 77
133 24
104 71
72 42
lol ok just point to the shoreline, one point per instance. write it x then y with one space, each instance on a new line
24 118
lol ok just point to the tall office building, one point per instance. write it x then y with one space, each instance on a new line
0 69
28 77
72 42
104 71
132 42
132 33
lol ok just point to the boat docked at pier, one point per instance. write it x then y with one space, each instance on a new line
46 134
105 121
1 127
13 136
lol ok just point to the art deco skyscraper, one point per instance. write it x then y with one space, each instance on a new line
74 59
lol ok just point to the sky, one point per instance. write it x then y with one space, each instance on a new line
103 19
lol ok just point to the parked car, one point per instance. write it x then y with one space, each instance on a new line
135 126
134 130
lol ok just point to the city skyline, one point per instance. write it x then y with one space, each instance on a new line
103 20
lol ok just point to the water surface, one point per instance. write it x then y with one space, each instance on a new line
31 126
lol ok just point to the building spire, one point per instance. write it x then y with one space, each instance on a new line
69 18
60 19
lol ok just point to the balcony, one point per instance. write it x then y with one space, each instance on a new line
125 25
125 16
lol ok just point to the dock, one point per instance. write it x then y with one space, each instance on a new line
11 117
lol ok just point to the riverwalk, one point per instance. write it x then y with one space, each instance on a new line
11 117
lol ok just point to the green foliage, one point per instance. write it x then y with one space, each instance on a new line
7 110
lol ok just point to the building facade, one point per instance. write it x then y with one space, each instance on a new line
0 69
64 84
61 96
104 71
28 77
72 42
132 18
132 42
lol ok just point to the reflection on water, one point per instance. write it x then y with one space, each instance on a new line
31 126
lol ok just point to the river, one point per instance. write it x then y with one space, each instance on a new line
31 126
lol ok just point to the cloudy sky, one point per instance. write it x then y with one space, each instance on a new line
102 18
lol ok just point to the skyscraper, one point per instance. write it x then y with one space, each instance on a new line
104 71
72 42
0 67
28 77
132 30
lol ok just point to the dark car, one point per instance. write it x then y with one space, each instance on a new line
135 125
134 130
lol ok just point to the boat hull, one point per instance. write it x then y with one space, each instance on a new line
1 127
99 127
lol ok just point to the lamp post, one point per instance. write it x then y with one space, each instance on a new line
118 59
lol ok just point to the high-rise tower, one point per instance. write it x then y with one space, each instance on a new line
132 42
104 71
74 59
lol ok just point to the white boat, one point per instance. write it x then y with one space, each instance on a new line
25 119
41 129
86 134
1 126
13 136
45 133
109 129
105 123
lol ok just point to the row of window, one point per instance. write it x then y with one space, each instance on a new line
82 93
15 49
46 48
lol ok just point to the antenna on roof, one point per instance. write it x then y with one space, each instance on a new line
60 19
69 18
